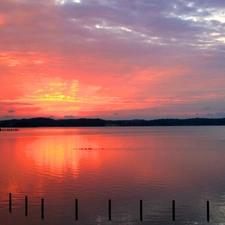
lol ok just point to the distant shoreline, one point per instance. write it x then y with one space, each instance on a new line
96 122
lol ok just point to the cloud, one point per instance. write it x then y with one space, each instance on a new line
69 117
11 111
216 115
6 117
206 108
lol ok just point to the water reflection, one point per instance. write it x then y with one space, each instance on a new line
53 156
122 164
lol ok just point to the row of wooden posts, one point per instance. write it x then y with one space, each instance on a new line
109 208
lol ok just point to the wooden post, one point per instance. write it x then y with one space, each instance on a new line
207 207
140 210
173 206
26 205
42 209
10 202
109 209
76 209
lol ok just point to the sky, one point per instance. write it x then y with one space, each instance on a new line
112 59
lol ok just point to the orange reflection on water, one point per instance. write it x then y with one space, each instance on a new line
14 164
63 153
54 156
28 158
44 157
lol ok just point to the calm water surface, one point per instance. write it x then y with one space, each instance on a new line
155 164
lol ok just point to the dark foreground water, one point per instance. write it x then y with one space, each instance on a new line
152 164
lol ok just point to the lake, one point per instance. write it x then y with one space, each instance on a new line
125 164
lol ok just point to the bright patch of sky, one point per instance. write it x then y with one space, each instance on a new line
62 2
215 14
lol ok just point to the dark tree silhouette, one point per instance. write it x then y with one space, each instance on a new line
95 122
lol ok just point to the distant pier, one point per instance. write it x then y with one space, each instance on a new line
9 129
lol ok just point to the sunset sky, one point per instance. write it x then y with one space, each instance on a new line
112 59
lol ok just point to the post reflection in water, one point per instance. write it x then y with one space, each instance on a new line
125 165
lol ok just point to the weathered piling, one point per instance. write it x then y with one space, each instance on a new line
207 209
26 206
10 202
173 210
76 209
141 210
42 208
109 209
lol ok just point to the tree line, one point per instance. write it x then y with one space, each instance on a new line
96 122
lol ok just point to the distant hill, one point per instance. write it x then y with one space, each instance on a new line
95 122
